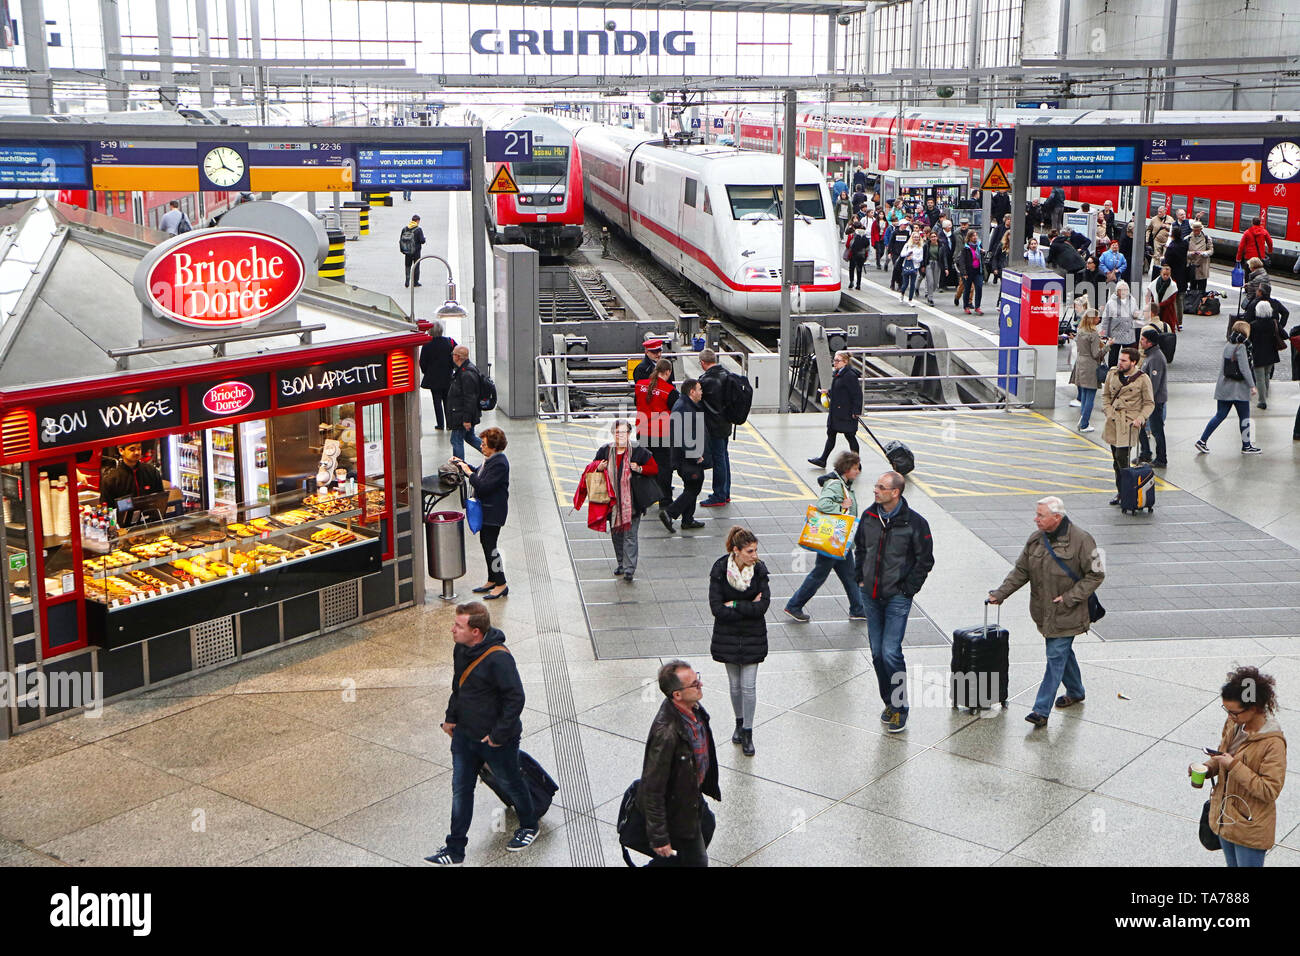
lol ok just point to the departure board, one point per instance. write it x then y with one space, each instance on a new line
144 164
293 166
1064 163
413 167
1208 161
43 165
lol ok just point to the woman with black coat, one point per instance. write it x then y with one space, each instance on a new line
633 490
739 596
845 405
435 369
491 484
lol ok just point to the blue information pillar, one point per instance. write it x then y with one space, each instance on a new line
1009 331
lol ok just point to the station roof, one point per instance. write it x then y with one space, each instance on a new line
672 6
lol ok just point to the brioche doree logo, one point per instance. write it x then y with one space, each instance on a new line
228 398
223 279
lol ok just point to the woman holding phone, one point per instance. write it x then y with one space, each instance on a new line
1248 767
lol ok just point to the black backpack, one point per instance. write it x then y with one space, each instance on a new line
406 244
737 398
487 394
184 225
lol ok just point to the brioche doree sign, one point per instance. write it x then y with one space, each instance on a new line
221 278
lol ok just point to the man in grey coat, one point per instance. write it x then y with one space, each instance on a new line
1063 568
1157 369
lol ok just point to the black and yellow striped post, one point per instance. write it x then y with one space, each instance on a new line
380 199
363 215
333 266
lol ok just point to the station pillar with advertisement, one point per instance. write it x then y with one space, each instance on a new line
1029 311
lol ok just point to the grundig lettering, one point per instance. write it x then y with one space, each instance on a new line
625 42
330 379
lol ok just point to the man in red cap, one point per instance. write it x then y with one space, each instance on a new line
646 367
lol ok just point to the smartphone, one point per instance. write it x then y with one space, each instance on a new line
1212 752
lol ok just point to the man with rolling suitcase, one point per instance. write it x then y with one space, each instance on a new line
1128 401
895 554
1063 568
487 699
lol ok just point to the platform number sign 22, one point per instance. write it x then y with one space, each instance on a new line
995 143
509 145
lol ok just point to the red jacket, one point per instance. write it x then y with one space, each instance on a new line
597 515
654 401
1255 243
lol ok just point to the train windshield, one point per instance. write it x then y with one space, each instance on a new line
764 202
549 163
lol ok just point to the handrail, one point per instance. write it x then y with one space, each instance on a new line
561 384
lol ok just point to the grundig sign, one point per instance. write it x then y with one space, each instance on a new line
563 42
220 278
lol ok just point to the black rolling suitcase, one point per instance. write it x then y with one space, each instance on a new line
1137 489
900 457
539 782
980 661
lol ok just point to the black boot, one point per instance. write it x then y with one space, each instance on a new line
747 742
736 737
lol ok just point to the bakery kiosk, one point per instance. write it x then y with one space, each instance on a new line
202 457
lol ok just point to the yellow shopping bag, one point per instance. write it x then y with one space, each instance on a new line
827 534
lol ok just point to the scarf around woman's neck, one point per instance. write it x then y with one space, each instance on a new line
621 519
738 577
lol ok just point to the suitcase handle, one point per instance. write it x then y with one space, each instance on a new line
997 620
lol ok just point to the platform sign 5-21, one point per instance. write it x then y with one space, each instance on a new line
994 143
509 145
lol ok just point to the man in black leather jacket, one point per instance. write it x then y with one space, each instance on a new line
680 767
895 554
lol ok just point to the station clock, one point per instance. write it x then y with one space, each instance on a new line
223 166
1281 161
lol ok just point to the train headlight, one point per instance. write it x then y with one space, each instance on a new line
557 200
525 200
824 272
751 273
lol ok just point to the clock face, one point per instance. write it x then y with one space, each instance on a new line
1284 160
223 166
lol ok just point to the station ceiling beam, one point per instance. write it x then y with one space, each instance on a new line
811 7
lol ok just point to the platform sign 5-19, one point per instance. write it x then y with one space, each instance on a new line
994 143
509 145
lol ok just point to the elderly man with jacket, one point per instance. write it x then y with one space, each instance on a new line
1200 251
679 769
1063 569
1159 228
1128 401
463 411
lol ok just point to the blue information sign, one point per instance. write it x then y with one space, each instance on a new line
44 165
509 145
443 167
992 143
1062 163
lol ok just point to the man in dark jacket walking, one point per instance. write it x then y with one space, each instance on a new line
680 768
713 379
483 722
688 430
410 243
463 411
1157 369
895 554
436 368
845 407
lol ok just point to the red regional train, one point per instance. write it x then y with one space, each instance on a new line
547 212
938 137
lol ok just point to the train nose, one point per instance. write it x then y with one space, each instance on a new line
767 272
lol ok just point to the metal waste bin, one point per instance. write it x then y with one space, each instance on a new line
444 547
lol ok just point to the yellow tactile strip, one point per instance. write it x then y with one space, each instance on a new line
972 454
758 473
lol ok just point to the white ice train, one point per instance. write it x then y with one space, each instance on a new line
713 214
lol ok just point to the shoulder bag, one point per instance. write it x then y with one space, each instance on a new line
474 515
597 487
1209 839
478 660
1095 611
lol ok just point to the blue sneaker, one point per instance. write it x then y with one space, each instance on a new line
897 722
445 857
522 839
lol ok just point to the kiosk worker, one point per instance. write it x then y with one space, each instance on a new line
132 478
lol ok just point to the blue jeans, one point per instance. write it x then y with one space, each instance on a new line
886 625
1156 428
817 577
1243 418
721 469
909 284
467 756
1087 396
1061 665
1234 854
460 435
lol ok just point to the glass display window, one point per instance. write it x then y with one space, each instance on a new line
17 546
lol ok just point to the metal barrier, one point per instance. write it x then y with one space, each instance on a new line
993 384
558 385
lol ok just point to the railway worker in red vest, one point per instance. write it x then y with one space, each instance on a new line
655 398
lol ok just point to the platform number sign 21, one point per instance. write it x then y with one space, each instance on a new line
995 143
509 145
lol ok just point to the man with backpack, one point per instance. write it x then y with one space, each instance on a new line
409 245
483 722
727 399
174 221
463 409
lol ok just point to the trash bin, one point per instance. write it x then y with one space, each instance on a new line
444 547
